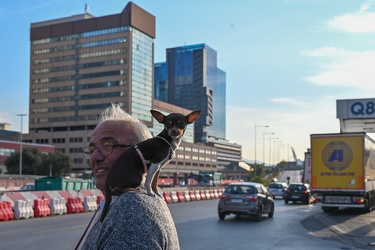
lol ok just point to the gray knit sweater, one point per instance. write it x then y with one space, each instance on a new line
135 221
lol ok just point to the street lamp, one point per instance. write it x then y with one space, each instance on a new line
20 171
269 148
264 133
255 140
274 150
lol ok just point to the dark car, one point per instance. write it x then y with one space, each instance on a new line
246 198
298 192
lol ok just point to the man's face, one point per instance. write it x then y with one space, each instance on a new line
107 132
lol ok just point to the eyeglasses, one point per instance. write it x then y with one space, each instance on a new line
104 149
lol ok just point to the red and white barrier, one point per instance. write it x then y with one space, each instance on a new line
186 195
41 208
192 195
46 203
197 195
180 196
6 212
203 194
174 196
167 197
89 203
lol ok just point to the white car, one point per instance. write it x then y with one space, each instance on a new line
278 189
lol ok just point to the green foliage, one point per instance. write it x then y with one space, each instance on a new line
34 162
259 174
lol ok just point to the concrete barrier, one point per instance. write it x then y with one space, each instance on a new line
192 195
174 196
180 196
41 208
197 195
186 195
20 210
203 194
89 203
167 197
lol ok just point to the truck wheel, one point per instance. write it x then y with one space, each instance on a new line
286 201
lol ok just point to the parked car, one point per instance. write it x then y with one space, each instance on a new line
246 198
298 192
277 188
28 187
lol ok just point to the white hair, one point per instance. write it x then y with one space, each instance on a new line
129 124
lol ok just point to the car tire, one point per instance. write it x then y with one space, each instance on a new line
270 214
221 216
286 201
258 216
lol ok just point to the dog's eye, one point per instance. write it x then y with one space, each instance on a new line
180 125
168 125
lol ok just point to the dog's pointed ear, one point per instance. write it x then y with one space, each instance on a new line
193 116
157 115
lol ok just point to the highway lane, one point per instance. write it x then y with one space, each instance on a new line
198 227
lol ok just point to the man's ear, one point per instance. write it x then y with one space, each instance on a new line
157 115
193 116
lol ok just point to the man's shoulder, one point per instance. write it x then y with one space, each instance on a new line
140 195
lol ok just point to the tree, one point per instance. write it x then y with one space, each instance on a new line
56 164
34 162
257 174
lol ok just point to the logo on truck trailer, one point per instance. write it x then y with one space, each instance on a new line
337 155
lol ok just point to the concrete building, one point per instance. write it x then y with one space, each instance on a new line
79 65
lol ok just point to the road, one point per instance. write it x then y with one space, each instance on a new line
294 226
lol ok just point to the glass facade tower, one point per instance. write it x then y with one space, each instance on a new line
195 82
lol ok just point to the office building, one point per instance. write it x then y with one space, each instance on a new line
81 64
192 80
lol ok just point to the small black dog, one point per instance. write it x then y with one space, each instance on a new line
148 156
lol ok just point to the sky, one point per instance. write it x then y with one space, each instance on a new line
286 61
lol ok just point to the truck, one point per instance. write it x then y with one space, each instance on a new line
306 173
343 170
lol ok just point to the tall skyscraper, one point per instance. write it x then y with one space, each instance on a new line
81 64
195 82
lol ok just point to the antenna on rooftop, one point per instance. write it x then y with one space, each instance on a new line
87 9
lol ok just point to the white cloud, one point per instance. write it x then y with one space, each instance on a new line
288 101
344 68
361 21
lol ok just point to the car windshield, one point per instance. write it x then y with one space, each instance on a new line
233 189
275 185
297 187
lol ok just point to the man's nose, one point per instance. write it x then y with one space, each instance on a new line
97 154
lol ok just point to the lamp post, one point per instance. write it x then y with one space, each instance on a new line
264 133
20 170
274 150
269 148
255 140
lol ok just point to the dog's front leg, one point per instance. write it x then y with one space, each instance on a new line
150 176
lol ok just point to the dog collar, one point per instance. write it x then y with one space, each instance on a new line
144 162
